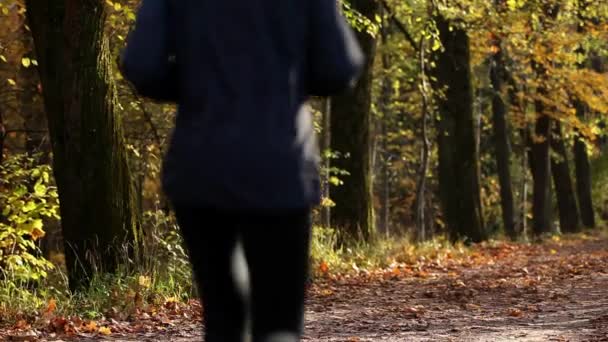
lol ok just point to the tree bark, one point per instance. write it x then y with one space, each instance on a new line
560 169
581 157
583 175
541 209
353 214
2 137
325 148
99 222
385 103
459 174
501 142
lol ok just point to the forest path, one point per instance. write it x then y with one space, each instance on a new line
555 291
551 292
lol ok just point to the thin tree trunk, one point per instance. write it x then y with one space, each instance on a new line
384 160
99 219
583 175
581 157
32 111
459 178
325 147
540 173
501 141
2 138
353 214
422 231
560 169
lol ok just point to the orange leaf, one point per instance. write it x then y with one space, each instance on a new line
37 233
513 312
90 327
324 268
21 324
51 307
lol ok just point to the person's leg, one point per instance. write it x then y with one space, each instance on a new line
277 251
211 238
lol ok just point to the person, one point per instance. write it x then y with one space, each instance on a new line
241 169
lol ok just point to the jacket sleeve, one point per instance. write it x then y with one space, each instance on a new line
335 58
148 60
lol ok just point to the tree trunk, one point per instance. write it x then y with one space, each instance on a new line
2 137
501 142
560 169
99 220
541 209
325 148
385 103
422 229
581 158
32 111
353 214
583 175
459 178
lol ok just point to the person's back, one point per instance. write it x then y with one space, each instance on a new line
241 84
242 163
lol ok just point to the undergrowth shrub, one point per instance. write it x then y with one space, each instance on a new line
28 200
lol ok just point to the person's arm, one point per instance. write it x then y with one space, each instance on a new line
147 60
335 58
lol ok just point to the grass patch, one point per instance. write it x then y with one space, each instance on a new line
381 254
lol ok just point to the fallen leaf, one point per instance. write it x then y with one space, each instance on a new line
90 327
514 312
323 267
21 324
105 331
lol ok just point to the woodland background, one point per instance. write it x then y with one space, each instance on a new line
473 120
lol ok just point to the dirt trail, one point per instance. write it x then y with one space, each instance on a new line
540 293
550 292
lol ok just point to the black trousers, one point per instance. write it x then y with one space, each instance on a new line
276 250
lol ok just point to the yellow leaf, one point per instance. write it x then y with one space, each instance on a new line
26 62
11 82
117 6
145 281
553 251
105 331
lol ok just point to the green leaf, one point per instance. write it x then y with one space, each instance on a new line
20 191
29 206
40 189
37 224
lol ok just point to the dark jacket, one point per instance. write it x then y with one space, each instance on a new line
241 72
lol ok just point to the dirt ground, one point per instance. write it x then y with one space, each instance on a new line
556 291
549 293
